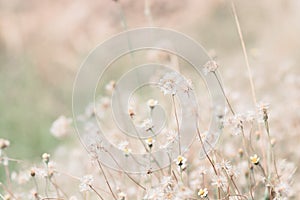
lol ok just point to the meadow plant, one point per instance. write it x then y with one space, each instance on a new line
244 164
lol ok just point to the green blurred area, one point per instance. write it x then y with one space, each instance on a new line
28 105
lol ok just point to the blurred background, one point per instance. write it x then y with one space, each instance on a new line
42 44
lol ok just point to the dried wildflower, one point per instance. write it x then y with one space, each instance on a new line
85 183
283 190
127 151
121 196
235 123
147 125
241 152
203 192
220 181
254 159
263 111
273 142
210 66
32 172
110 86
171 83
152 103
187 85
233 172
104 102
7 197
168 84
124 146
61 127
167 182
225 164
257 134
46 158
89 110
131 112
4 143
34 194
150 141
181 163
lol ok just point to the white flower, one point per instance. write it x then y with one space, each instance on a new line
110 86
263 109
210 66
85 183
181 163
147 124
121 196
61 127
171 83
4 143
203 192
150 141
224 164
46 158
235 123
254 159
124 146
152 103
168 83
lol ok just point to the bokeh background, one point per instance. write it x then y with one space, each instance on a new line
42 44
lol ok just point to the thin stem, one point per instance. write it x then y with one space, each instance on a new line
8 190
36 185
175 176
205 152
271 148
147 149
7 174
46 187
124 170
58 189
263 170
177 122
244 52
106 180
147 12
202 144
223 91
98 194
